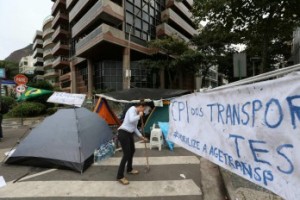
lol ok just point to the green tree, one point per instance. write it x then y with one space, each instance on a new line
264 26
169 50
11 68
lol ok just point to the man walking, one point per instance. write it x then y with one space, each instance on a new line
126 137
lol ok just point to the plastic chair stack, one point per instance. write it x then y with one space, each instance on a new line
156 137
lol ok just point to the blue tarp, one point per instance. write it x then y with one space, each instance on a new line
164 126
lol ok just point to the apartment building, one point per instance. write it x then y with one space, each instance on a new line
50 74
97 44
37 55
60 39
26 65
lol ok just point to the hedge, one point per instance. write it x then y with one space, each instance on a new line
28 109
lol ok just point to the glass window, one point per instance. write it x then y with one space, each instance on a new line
138 23
145 8
129 7
151 11
138 12
137 33
145 26
138 3
145 16
144 36
129 18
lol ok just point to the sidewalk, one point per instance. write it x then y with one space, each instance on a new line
19 122
242 189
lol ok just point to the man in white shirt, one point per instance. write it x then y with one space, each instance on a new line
126 137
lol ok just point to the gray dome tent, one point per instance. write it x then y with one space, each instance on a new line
66 139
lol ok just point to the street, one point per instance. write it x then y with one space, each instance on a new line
173 175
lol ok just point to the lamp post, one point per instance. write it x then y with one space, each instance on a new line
127 70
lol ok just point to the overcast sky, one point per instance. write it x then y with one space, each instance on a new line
19 19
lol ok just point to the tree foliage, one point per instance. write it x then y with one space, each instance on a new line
264 26
170 49
11 68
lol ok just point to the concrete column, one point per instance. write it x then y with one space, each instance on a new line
126 67
73 77
90 79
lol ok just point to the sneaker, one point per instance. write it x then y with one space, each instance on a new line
123 181
134 171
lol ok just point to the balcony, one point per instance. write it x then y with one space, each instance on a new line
80 5
38 61
47 20
70 3
38 35
61 48
37 43
47 32
60 18
47 53
96 37
60 62
165 29
180 7
48 63
60 33
58 5
47 42
103 9
50 73
39 77
37 53
170 15
65 77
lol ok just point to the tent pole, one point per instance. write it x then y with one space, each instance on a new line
79 141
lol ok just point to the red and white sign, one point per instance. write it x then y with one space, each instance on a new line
20 79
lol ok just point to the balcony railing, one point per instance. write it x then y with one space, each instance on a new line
56 5
47 42
48 62
59 16
36 43
74 12
181 7
47 20
166 29
170 14
37 51
65 77
60 30
60 62
94 37
115 14
50 72
48 31
69 3
61 45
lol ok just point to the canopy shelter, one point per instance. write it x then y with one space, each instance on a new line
158 114
66 139
134 95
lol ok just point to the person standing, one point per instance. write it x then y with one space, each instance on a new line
126 138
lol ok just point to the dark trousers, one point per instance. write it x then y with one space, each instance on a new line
127 143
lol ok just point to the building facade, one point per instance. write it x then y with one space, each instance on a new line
97 44
26 65
37 55
50 74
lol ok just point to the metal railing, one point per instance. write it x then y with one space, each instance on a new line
262 77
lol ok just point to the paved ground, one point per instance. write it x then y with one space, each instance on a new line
177 175
173 175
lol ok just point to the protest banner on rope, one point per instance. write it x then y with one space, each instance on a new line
252 130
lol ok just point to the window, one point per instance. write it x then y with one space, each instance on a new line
138 23
129 7
138 3
129 18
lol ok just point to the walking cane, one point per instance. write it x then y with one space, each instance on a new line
146 151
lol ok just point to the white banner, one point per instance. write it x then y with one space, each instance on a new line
67 98
253 131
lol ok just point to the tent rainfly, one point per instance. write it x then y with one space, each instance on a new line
65 140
